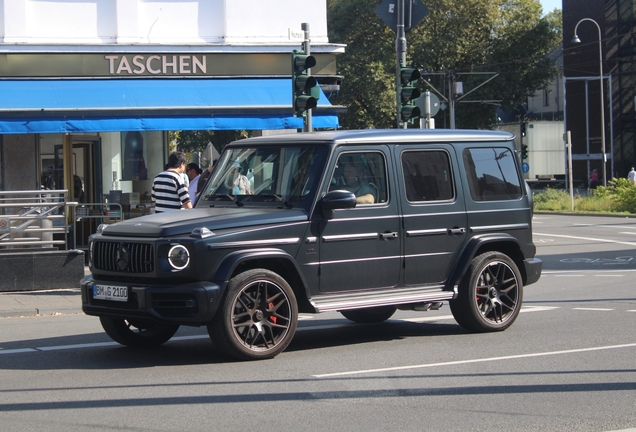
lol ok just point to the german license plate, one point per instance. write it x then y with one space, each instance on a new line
108 292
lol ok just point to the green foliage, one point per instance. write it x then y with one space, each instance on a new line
197 141
619 196
508 37
551 200
621 191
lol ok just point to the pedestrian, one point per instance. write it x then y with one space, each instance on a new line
632 176
168 191
593 179
205 175
194 174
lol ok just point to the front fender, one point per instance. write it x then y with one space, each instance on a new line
271 258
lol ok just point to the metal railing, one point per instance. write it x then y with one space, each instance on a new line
30 218
104 213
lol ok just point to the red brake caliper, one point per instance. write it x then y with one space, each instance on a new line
270 306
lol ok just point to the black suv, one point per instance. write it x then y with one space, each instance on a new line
361 222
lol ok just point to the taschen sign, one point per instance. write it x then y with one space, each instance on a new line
157 64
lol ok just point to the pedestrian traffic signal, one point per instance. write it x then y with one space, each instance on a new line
305 90
408 94
524 151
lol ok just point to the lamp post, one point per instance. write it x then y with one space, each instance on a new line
576 39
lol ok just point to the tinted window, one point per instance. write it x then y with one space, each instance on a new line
286 175
427 176
364 174
492 174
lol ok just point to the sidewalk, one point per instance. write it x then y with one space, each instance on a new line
49 302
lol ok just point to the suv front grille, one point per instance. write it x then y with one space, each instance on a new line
123 257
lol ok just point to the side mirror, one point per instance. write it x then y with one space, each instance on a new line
336 200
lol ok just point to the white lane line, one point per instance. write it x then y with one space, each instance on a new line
604 271
631 310
76 346
479 360
586 238
17 351
630 232
593 309
299 329
608 275
568 275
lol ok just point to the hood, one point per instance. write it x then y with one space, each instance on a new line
184 221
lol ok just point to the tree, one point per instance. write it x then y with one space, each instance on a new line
508 37
196 141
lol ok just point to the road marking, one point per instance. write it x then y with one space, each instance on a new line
16 351
568 275
608 275
630 232
604 271
593 309
479 360
587 238
299 329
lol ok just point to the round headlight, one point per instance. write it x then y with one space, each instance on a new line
178 257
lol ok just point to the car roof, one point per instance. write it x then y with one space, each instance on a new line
379 136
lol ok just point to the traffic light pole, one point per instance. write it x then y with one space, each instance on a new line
307 124
400 50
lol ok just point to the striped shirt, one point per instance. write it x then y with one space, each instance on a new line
169 192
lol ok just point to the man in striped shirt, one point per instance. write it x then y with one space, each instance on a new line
168 190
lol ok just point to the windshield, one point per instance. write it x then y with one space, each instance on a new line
280 176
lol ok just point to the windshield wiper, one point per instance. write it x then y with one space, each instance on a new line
261 197
228 197
278 198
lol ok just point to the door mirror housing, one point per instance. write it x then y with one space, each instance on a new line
337 200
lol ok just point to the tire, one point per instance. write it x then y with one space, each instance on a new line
257 318
137 333
369 315
490 294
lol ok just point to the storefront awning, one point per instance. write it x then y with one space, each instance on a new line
112 105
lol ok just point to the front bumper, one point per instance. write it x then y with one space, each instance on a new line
533 268
189 304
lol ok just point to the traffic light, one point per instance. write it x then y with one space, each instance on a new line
524 151
305 90
408 94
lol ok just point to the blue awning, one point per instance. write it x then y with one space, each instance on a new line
113 105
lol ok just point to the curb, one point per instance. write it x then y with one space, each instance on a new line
17 313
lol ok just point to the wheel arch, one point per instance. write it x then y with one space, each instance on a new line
276 260
503 243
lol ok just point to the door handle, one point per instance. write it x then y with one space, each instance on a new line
388 235
457 231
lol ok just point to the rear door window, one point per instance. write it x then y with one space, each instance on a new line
492 174
427 176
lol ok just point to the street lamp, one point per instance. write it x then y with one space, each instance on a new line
575 40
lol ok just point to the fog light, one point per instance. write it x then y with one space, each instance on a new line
178 257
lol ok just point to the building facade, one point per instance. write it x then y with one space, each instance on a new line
583 68
89 89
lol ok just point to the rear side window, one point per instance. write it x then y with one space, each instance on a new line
492 174
427 176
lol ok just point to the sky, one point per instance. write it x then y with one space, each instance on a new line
550 5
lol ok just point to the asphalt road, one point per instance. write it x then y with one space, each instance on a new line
568 363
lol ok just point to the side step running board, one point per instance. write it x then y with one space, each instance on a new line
364 299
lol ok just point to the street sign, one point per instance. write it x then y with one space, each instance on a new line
525 167
5 225
414 12
435 105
